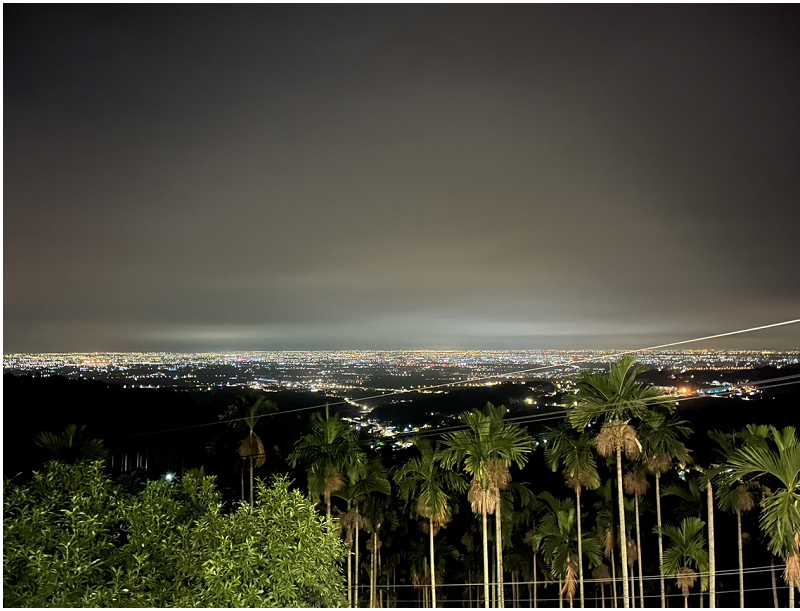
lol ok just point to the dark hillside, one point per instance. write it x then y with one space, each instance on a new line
136 424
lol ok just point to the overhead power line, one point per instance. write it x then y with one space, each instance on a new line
557 414
544 367
469 380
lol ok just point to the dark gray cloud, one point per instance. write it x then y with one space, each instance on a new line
206 177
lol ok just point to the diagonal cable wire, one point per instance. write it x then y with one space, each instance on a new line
469 380
559 414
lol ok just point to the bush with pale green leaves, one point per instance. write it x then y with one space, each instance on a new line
74 538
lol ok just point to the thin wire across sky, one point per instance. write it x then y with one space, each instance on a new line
603 357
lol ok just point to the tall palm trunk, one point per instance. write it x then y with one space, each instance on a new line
623 543
485 561
373 569
774 580
535 588
712 598
350 575
639 551
580 544
791 597
660 541
358 566
614 578
433 569
371 563
494 581
241 472
603 594
741 559
633 586
499 545
560 597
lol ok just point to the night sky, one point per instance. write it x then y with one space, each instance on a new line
261 177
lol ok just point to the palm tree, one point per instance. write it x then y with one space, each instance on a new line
574 450
375 513
367 479
737 499
442 551
331 453
424 481
690 497
349 522
534 543
602 576
558 537
533 511
706 480
635 483
422 575
517 564
686 554
245 412
468 541
780 512
487 450
662 446
420 572
615 398
605 511
691 504
519 504
733 496
632 553
70 445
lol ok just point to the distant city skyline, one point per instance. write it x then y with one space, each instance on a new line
239 177
354 373
404 357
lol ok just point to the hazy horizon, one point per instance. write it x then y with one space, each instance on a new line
676 349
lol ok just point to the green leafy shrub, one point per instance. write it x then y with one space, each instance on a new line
61 533
278 554
74 538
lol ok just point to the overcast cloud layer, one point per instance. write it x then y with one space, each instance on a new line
262 177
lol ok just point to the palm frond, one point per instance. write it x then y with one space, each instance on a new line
617 396
486 451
